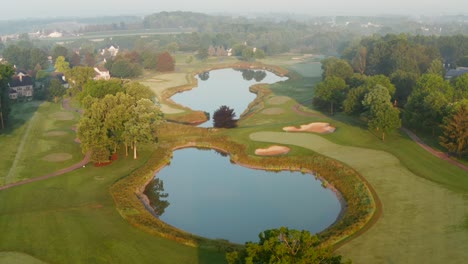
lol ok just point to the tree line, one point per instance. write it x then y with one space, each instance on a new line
399 79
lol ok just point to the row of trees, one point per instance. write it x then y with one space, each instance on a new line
122 115
6 71
427 102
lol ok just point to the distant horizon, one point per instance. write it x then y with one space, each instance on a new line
50 9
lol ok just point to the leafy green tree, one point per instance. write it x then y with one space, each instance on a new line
404 83
332 91
278 246
6 72
142 125
202 54
38 57
381 115
460 85
61 65
437 68
248 54
224 117
124 69
139 91
333 66
79 76
165 62
259 54
100 88
426 105
56 90
455 132
59 50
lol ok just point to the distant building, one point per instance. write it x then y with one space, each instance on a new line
456 72
101 75
21 86
111 50
55 34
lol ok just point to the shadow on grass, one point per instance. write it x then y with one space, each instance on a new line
21 113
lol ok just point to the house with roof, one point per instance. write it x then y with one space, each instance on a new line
453 73
21 87
101 74
112 51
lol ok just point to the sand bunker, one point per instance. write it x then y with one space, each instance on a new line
272 151
316 127
56 133
278 100
57 157
273 111
62 116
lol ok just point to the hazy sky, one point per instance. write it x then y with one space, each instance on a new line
14 9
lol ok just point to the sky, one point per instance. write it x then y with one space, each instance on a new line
14 9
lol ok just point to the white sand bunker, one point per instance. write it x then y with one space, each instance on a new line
57 157
272 151
56 133
62 116
278 100
273 111
317 127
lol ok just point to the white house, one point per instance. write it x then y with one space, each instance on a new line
101 75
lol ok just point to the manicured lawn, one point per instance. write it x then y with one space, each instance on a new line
422 222
38 129
72 219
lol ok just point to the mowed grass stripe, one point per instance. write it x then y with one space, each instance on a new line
422 222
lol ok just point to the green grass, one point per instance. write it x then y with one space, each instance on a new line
72 219
422 222
28 141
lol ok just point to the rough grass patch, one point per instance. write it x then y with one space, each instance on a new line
57 157
55 133
62 116
273 111
278 100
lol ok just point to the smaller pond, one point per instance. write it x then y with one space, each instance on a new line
203 193
228 87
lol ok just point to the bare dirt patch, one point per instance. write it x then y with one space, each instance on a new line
273 111
317 127
57 157
278 100
272 151
55 133
62 116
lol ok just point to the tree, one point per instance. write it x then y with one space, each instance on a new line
381 115
78 76
202 54
332 91
59 50
224 117
124 69
437 68
333 66
6 72
278 246
460 85
55 90
38 57
61 65
455 132
141 127
165 62
100 88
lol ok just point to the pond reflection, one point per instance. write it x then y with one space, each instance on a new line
155 193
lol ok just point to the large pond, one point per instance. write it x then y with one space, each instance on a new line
224 87
203 193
